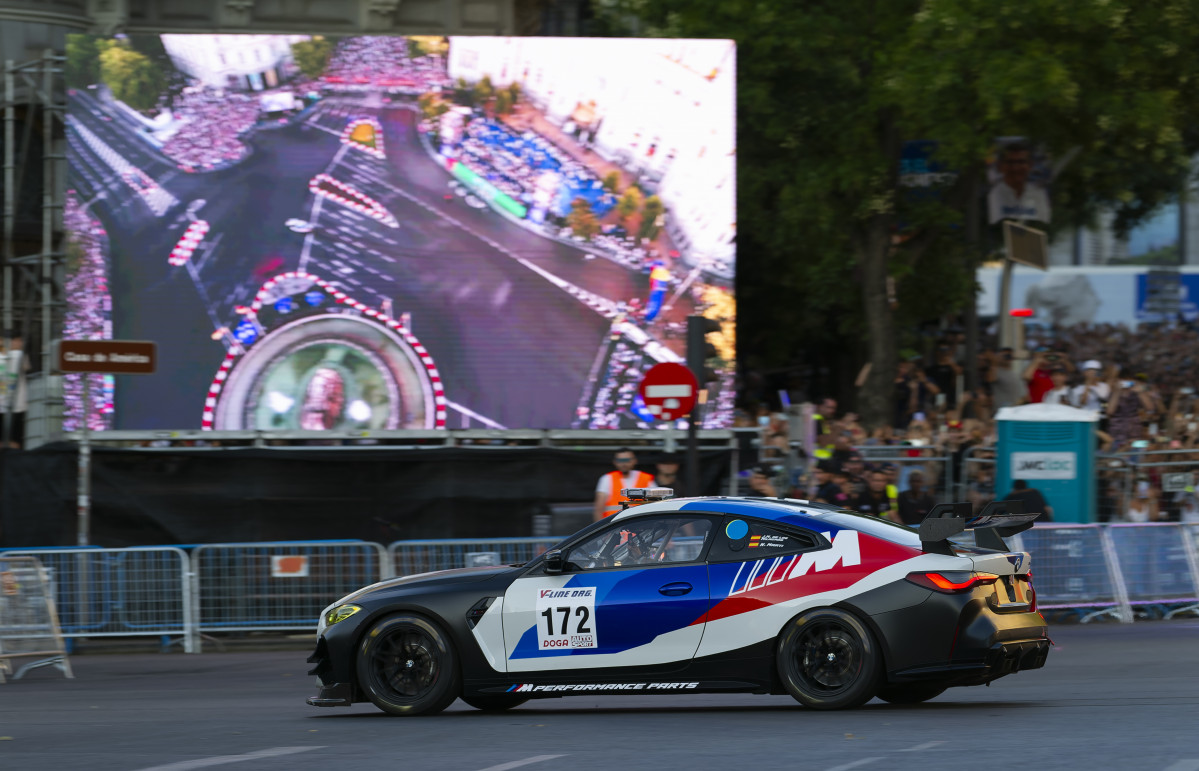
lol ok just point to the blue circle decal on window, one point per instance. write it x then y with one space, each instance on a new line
736 530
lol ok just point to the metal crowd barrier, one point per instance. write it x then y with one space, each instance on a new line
413 557
1157 565
120 592
1120 571
242 587
29 629
1074 569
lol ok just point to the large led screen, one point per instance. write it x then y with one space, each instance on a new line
370 233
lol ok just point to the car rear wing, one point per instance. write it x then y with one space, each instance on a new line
997 520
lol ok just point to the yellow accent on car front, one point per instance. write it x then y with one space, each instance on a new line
340 613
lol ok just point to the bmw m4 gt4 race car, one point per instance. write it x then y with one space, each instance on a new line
696 595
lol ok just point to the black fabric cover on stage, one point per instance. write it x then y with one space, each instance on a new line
143 497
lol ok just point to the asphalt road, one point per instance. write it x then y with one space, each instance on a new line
1110 697
496 305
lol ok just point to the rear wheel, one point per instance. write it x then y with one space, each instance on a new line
494 702
827 659
407 666
909 693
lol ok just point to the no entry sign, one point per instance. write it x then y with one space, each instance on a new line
669 390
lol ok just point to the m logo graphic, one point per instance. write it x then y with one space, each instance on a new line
845 552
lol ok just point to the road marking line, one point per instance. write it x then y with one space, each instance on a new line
854 764
922 747
1190 764
519 763
220 760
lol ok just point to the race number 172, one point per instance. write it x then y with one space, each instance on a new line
566 618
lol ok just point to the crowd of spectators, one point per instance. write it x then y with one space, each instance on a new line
88 315
1140 382
615 385
210 126
515 163
384 62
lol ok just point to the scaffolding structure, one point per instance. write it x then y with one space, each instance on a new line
33 298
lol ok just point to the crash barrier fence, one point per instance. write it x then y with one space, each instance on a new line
30 636
180 594
1117 570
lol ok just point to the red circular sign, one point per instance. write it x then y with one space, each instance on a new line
669 390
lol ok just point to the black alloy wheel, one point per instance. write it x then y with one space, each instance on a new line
827 659
407 666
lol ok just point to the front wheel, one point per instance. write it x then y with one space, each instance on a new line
827 659
910 693
493 702
407 666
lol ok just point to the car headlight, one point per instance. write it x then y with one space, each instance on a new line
340 613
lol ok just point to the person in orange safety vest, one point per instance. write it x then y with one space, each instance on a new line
607 491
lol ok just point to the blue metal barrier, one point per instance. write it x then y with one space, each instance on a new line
279 586
1072 570
1092 570
1155 565
426 556
119 592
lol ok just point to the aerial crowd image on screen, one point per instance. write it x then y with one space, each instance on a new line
372 233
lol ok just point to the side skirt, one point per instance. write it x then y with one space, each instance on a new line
748 670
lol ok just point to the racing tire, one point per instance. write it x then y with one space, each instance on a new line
407 666
493 702
827 659
909 693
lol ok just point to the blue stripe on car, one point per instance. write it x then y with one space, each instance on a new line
629 610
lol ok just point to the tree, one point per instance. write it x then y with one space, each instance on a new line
132 77
432 106
582 219
822 212
312 56
514 92
503 103
629 204
612 181
464 93
650 212
484 91
83 61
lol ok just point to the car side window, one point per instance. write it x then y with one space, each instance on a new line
642 542
742 538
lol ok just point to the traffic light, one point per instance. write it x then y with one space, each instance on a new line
699 350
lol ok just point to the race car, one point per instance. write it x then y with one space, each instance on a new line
701 595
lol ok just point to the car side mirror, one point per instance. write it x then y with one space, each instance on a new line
554 562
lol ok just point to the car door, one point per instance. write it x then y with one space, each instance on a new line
633 594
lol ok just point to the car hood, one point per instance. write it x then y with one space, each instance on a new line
437 578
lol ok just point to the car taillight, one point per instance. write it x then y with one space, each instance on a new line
951 581
1032 595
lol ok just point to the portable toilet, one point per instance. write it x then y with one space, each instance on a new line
1052 448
